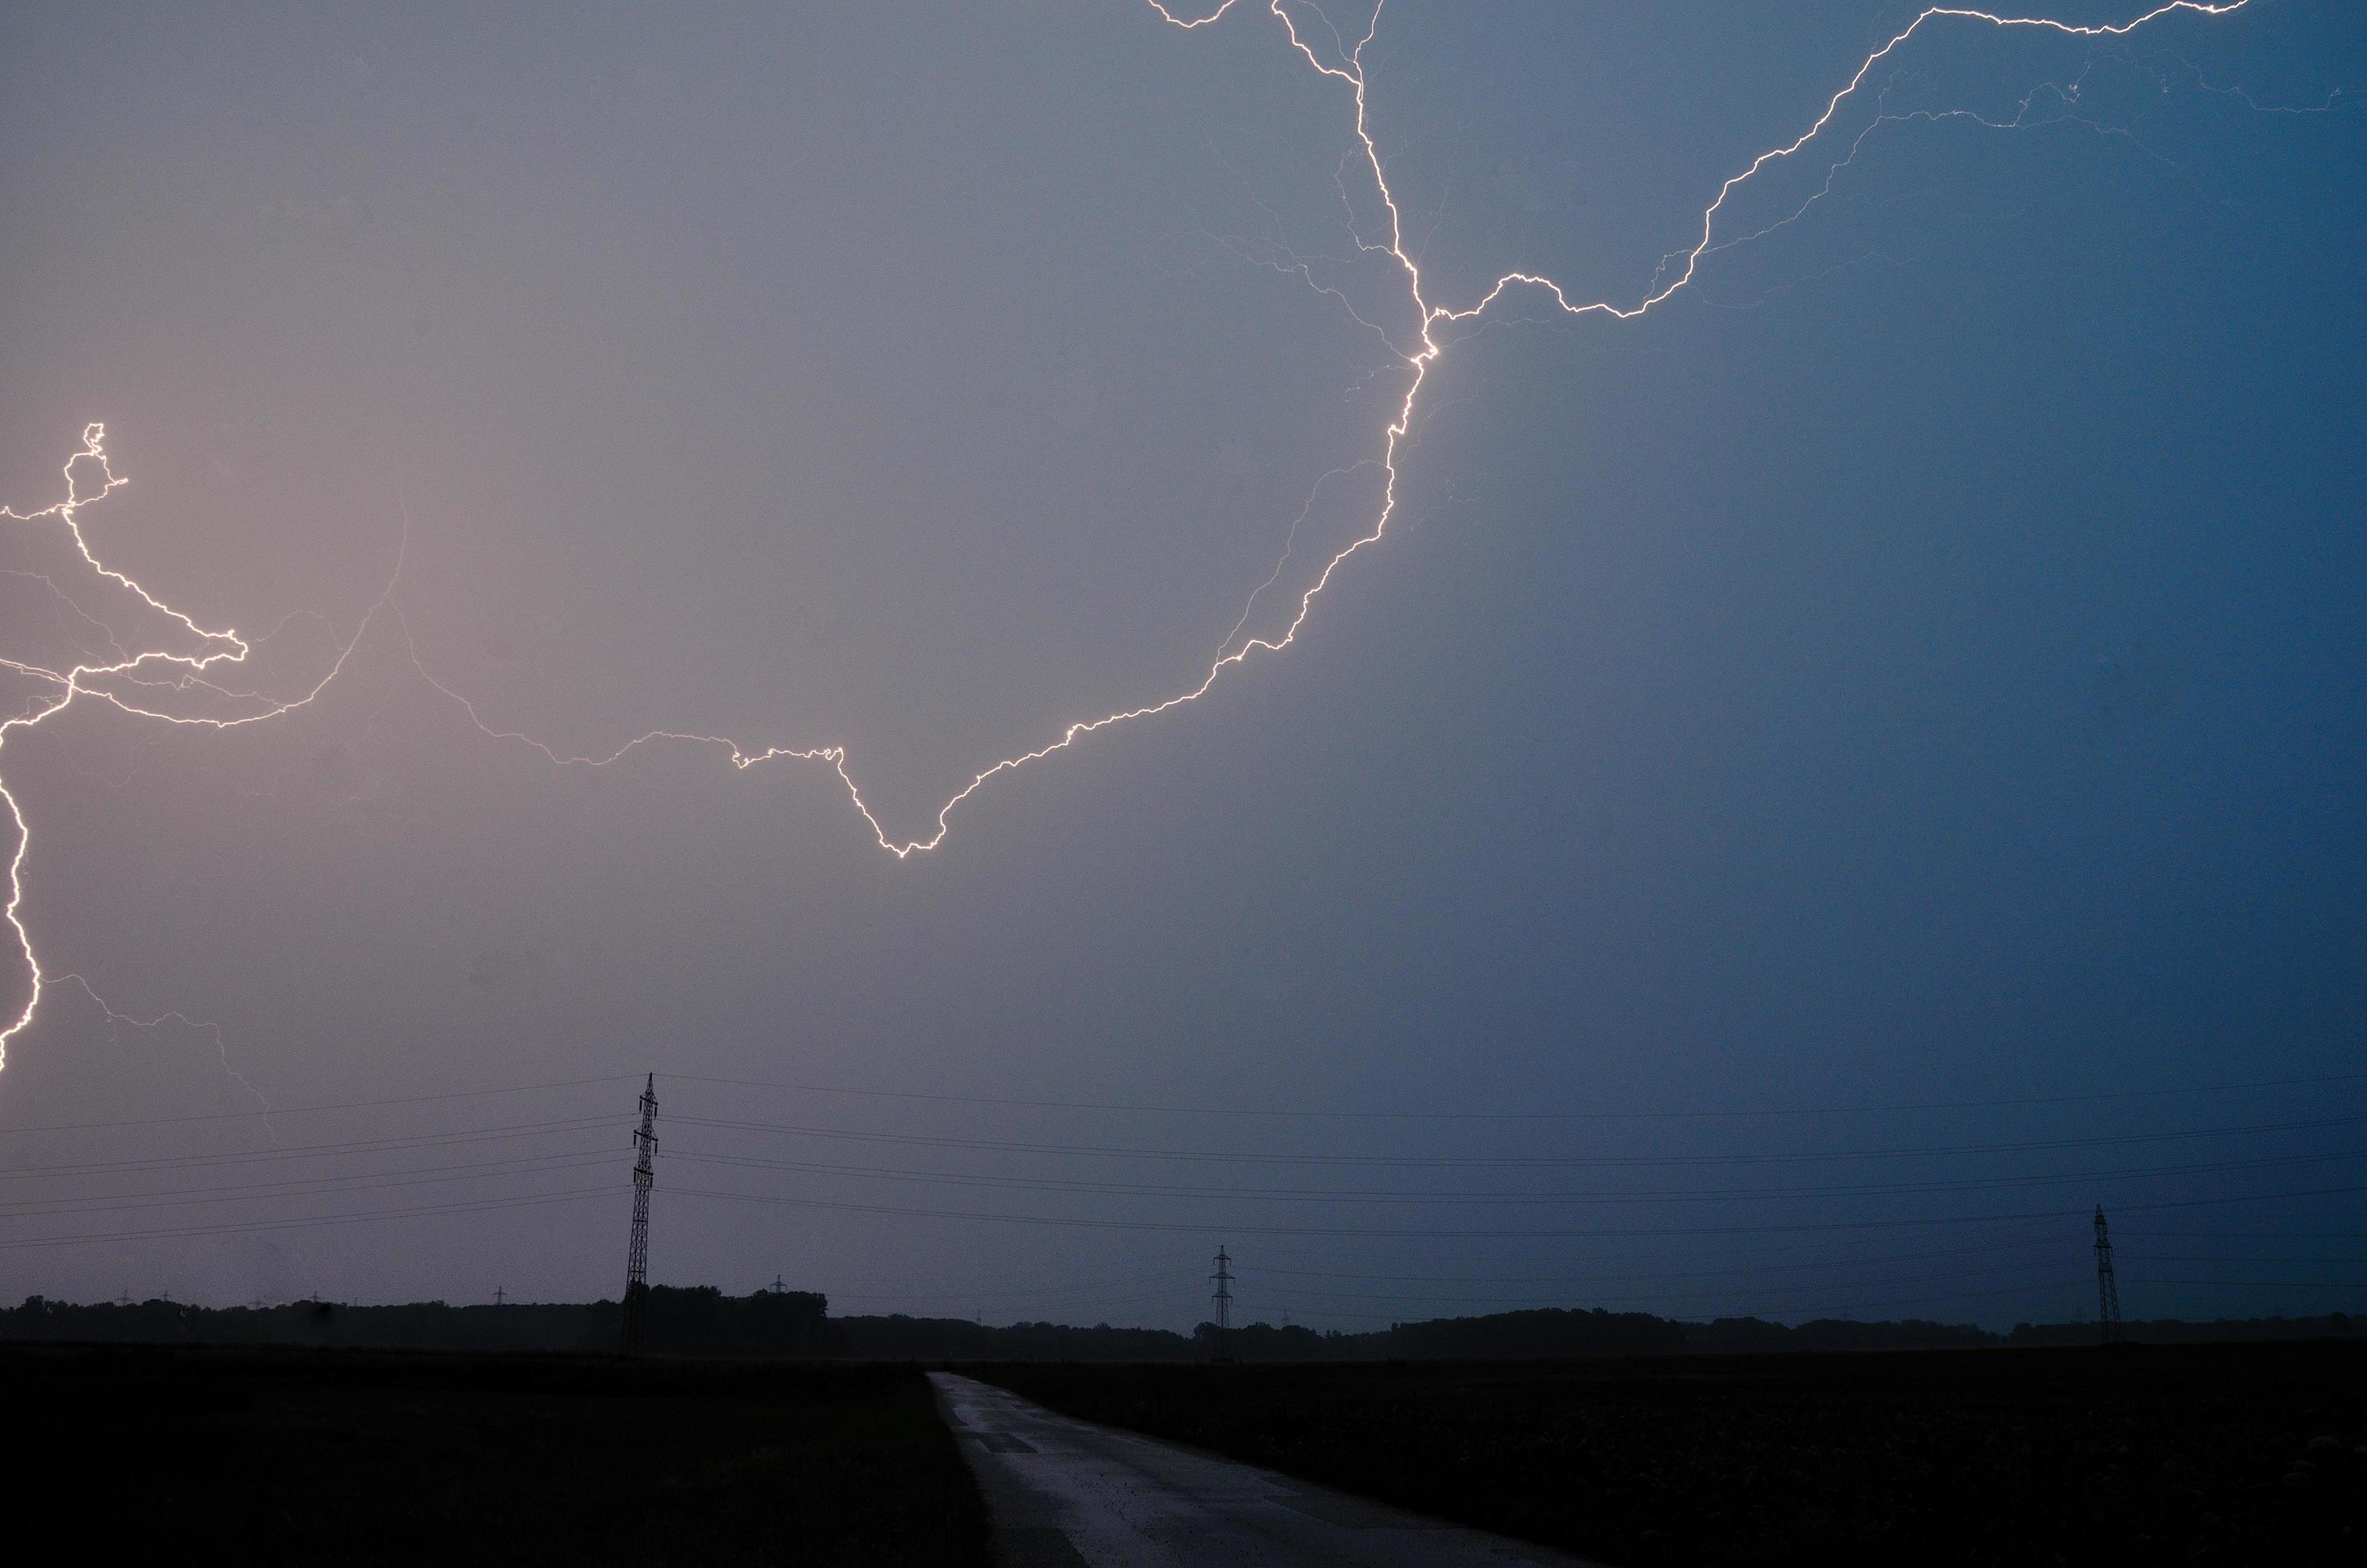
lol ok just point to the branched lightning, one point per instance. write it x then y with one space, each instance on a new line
134 681
1349 69
116 1020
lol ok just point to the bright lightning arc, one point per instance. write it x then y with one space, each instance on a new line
134 682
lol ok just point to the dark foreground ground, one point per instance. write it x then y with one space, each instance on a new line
2226 1454
284 1456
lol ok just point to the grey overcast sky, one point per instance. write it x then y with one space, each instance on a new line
1818 785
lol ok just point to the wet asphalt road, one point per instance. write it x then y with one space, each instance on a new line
1067 1493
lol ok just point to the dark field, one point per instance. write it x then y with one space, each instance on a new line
2228 1454
282 1455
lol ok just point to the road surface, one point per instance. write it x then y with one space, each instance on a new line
1065 1493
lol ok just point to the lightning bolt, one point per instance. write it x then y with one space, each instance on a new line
1348 69
130 681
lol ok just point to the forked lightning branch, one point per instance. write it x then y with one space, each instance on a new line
189 661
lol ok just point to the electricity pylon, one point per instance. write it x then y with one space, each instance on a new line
1224 1298
636 1259
2108 1293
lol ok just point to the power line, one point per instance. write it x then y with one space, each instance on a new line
2030 1289
2265 1284
1516 1162
1831 1264
2033 1239
331 1186
251 1226
2196 1257
1318 1195
308 1151
313 1109
1265 1111
1012 1102
1189 1227
2258 1235
1820 1289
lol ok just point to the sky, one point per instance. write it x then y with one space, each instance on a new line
1817 784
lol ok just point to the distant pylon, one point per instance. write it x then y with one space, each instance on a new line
500 1297
1223 1298
2108 1293
780 1285
636 1258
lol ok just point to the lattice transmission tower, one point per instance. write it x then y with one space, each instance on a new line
636 1258
1224 1298
2108 1292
